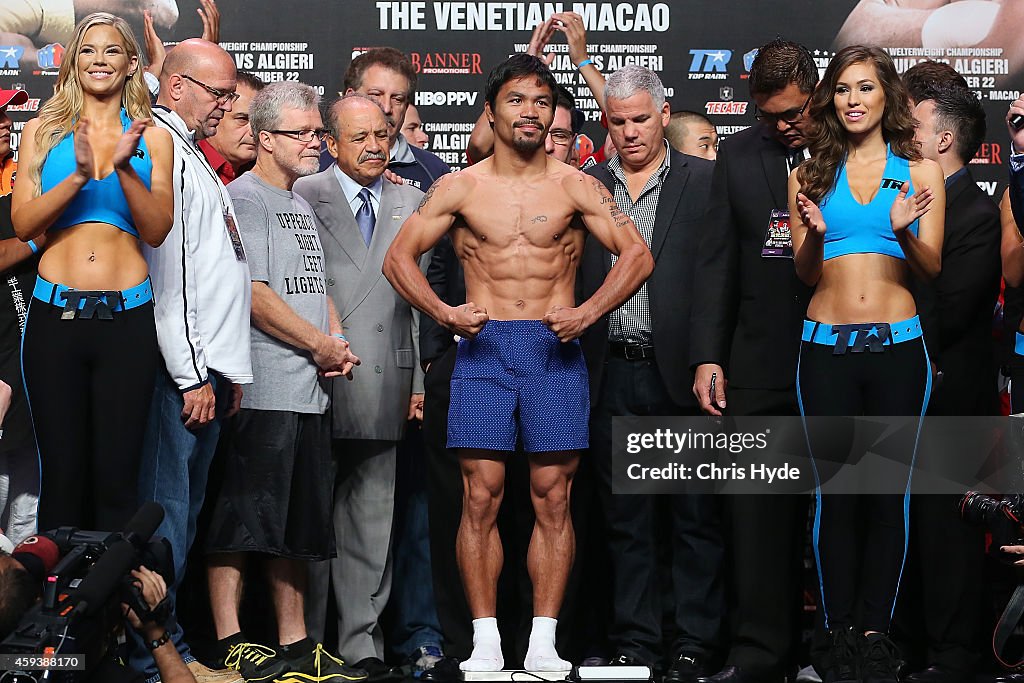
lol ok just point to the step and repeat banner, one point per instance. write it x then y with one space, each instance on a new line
702 49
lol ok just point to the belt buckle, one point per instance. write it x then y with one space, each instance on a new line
97 303
635 351
870 336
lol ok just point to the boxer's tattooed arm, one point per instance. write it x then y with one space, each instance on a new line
606 196
608 200
621 219
427 196
539 219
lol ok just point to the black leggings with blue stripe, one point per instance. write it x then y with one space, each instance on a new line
860 541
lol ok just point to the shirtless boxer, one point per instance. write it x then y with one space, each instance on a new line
514 221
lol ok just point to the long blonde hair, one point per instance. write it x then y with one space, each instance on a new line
58 116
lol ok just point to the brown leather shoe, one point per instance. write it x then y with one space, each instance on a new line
204 674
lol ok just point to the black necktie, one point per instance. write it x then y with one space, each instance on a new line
795 156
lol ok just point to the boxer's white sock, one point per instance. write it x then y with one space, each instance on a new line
541 654
486 654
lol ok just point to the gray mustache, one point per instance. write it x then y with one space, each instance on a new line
372 155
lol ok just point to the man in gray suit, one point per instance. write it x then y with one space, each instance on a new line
358 215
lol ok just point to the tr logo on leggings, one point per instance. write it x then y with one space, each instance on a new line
95 303
872 336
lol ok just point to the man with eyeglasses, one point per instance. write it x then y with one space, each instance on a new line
359 213
279 471
744 342
201 291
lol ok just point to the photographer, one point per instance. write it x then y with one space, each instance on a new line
168 662
19 590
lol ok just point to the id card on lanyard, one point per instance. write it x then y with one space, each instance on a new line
778 240
236 239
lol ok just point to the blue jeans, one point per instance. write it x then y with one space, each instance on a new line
173 472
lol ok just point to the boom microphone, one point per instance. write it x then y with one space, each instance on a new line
118 560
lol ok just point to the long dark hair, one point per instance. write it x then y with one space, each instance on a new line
829 145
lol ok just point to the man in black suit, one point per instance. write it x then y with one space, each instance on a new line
947 555
747 336
637 361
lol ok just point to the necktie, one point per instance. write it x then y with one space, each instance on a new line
364 217
795 156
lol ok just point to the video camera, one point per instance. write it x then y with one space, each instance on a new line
1001 516
80 611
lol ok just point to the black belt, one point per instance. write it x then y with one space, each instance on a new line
631 351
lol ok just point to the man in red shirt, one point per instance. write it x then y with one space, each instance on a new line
232 151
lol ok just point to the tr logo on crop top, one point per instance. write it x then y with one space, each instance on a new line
99 201
855 228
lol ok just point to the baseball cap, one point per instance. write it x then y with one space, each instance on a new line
12 97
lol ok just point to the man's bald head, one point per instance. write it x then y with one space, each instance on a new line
350 105
195 55
198 83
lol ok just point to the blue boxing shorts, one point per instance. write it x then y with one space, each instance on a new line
517 379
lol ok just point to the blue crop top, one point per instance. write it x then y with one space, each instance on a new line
99 201
855 228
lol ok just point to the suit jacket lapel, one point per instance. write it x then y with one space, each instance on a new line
668 200
958 186
384 232
336 215
774 165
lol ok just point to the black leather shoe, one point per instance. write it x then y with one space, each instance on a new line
728 674
443 671
686 669
938 674
625 660
377 670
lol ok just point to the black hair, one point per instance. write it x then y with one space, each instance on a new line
780 63
250 79
926 78
564 98
959 110
516 67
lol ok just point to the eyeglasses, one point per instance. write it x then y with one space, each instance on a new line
790 116
561 137
306 135
222 96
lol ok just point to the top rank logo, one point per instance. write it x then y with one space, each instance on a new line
10 55
709 64
50 56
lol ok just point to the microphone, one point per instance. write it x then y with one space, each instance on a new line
1017 121
118 560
